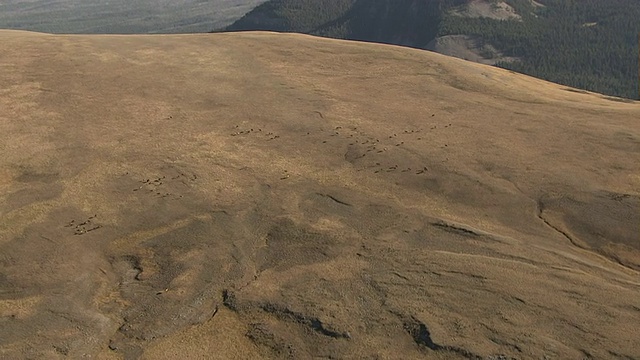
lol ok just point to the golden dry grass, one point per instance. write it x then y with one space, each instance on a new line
283 196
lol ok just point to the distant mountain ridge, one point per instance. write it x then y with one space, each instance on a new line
587 44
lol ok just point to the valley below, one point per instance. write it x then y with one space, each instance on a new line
121 16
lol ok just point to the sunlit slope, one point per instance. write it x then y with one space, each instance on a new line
257 195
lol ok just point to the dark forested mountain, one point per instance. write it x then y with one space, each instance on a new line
407 22
588 44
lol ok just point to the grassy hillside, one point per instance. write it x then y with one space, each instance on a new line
282 196
588 44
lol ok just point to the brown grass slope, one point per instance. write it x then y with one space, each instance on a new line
255 195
